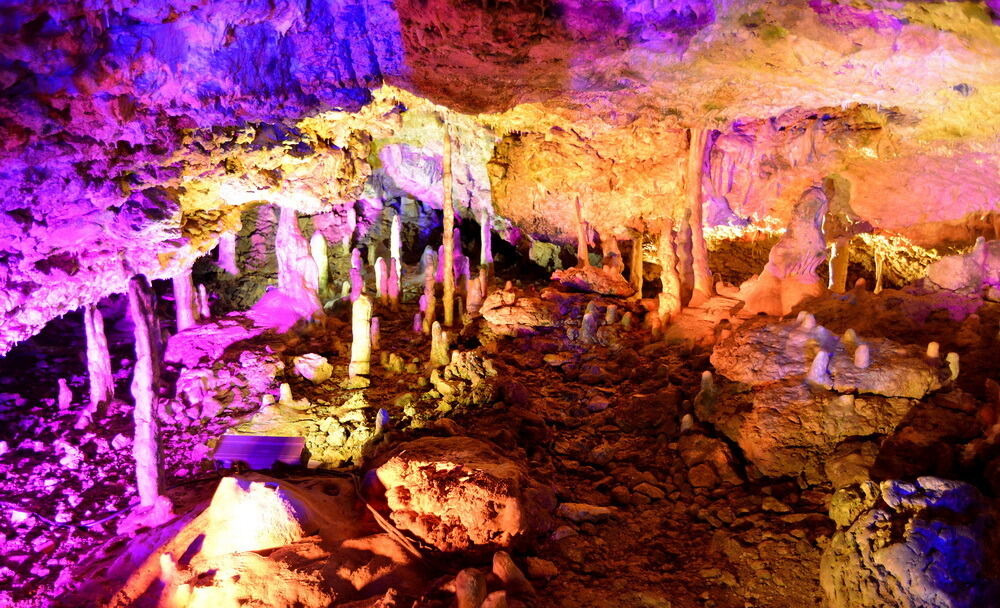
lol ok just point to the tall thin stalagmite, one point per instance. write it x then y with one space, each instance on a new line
184 300
361 337
670 298
486 242
635 265
582 253
840 254
699 251
145 382
448 209
102 383
318 249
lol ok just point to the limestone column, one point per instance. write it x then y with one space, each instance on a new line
448 236
184 300
145 382
297 272
699 251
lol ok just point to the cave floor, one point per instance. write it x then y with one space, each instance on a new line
600 424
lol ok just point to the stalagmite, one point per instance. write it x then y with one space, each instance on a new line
470 588
204 309
145 383
428 301
345 290
611 315
361 337
952 359
396 241
933 350
357 276
582 253
382 281
589 326
819 370
439 346
669 300
850 337
685 264
318 250
473 297
448 235
484 281
862 356
699 251
184 304
879 267
486 243
611 254
102 383
376 333
297 273
635 266
418 322
394 285
227 253
840 253
65 395
352 225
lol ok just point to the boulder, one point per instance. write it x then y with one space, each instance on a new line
976 271
908 545
594 280
508 314
462 494
313 367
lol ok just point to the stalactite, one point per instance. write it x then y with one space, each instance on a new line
582 253
318 249
669 300
227 253
840 254
145 382
361 337
184 305
102 383
448 235
699 250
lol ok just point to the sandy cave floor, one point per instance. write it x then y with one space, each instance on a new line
595 428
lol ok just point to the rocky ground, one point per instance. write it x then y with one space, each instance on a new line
653 507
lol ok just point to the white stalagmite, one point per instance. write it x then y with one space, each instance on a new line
102 383
439 346
428 300
318 250
227 253
382 281
376 333
297 273
204 310
699 251
396 254
448 236
184 304
952 359
361 337
357 276
670 296
146 446
819 370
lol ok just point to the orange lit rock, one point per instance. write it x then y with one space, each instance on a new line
461 494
